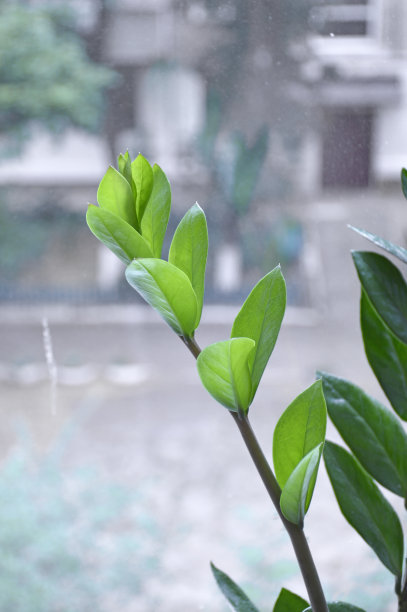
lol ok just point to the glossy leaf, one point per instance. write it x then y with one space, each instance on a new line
155 219
224 371
116 234
365 507
168 290
372 432
124 165
288 601
143 179
300 429
386 289
115 195
233 593
260 318
387 356
404 182
388 246
340 606
189 250
297 491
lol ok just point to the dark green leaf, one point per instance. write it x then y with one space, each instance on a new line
372 432
155 219
143 179
387 356
260 319
224 371
189 250
297 491
364 507
299 430
388 246
233 593
404 182
385 288
168 290
289 602
115 195
116 234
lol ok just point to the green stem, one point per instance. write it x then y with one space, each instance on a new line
401 591
296 533
191 344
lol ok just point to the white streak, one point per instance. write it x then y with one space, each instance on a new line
51 364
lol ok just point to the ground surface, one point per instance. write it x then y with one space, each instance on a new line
129 405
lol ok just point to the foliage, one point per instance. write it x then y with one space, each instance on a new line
45 74
375 435
238 172
230 370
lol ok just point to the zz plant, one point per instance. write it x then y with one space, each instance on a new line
375 434
131 220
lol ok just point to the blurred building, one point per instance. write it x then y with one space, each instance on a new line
354 77
343 71
358 82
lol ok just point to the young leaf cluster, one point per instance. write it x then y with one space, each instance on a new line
131 220
373 433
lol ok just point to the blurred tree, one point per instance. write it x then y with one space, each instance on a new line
251 74
46 76
254 121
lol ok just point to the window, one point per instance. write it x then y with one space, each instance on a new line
347 18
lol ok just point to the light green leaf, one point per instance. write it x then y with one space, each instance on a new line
373 433
404 182
297 491
300 429
224 371
155 218
116 234
260 319
340 606
143 179
233 593
386 289
288 601
388 246
189 250
387 356
124 165
115 195
364 507
168 290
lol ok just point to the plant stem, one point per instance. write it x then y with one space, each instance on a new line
401 591
191 344
296 533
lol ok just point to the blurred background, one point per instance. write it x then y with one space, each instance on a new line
285 120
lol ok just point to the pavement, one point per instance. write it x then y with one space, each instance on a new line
127 392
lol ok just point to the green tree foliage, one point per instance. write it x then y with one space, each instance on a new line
46 76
